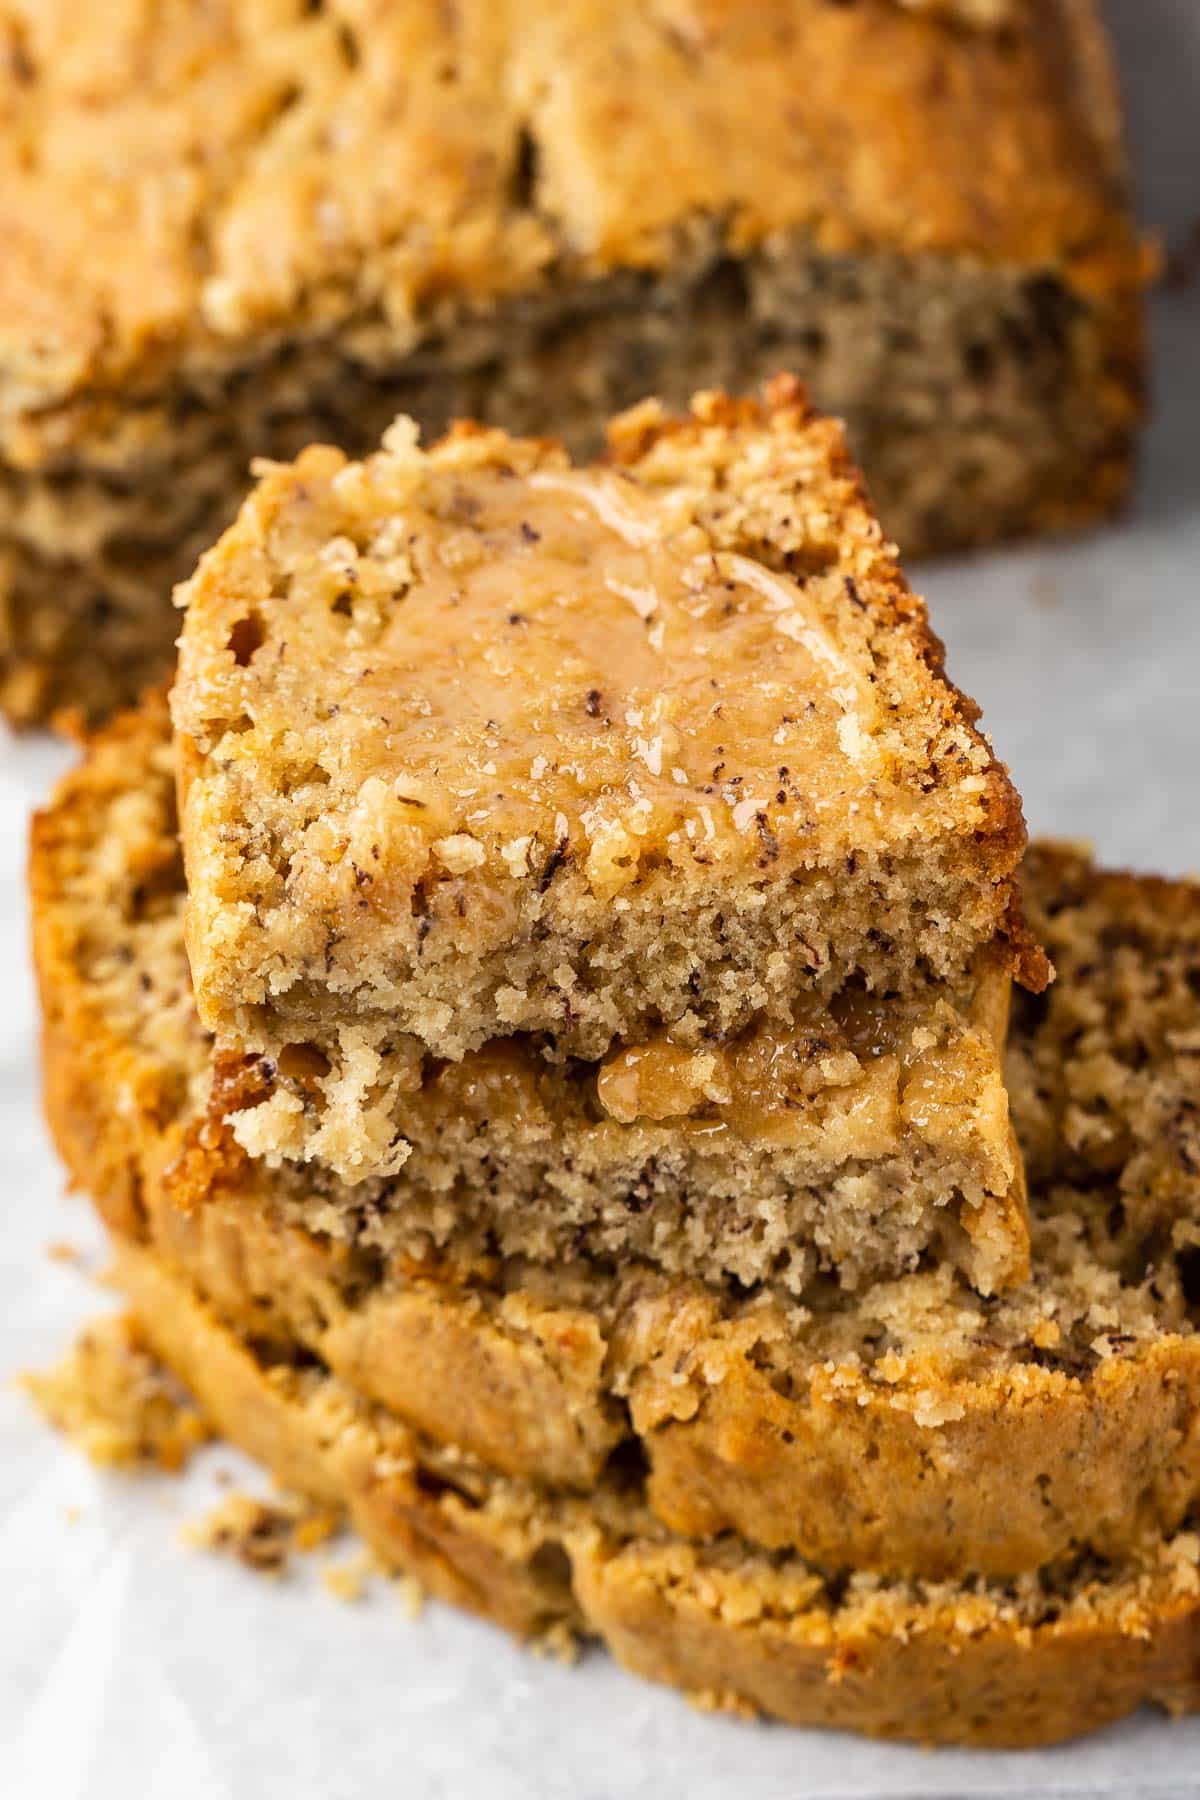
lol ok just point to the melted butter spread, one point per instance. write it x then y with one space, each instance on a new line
886 1067
853 1077
527 665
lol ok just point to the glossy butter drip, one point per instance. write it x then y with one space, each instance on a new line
894 1067
562 662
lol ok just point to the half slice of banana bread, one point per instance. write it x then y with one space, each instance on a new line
627 760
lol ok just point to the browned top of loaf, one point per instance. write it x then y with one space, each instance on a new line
178 181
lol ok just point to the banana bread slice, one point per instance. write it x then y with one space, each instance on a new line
385 833
914 1428
225 236
475 742
1058 1652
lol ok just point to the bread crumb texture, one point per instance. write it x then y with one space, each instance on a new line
874 1129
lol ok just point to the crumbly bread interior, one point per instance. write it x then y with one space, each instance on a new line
857 1143
1108 1077
475 742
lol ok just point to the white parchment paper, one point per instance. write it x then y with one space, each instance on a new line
131 1666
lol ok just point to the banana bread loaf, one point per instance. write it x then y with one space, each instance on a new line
228 233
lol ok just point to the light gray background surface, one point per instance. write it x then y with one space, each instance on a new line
131 1667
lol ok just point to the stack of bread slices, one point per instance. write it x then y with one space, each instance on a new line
556 1014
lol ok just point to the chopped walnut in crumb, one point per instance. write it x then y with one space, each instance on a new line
264 1534
116 1402
459 852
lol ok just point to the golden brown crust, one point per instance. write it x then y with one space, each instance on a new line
880 1433
1049 1659
948 1684
82 1056
997 1470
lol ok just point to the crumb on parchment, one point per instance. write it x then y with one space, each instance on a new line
347 1581
61 1251
112 1397
263 1534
